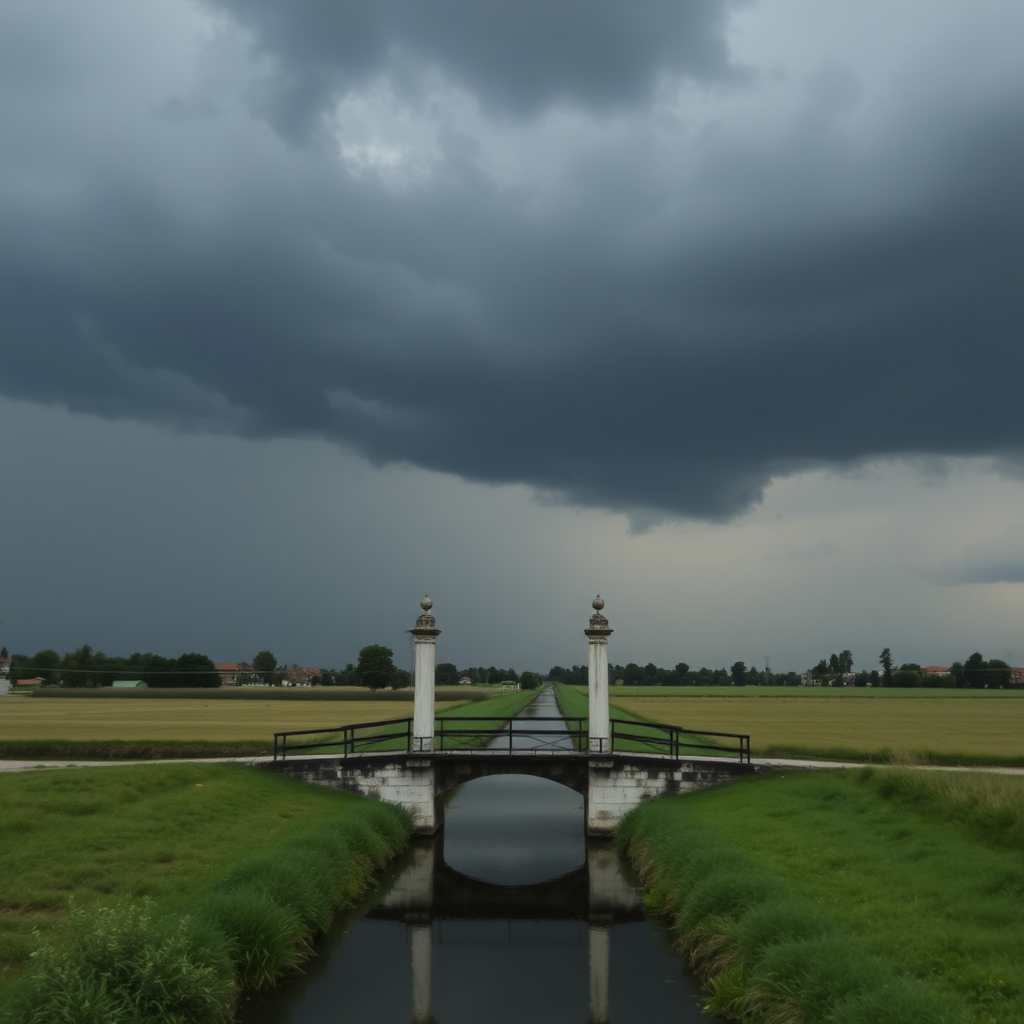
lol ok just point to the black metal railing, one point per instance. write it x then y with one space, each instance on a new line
393 734
465 733
655 738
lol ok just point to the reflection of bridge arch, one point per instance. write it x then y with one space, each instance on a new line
429 889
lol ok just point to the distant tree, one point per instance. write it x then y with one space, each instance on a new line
403 679
375 669
885 658
529 680
265 667
446 674
46 664
906 677
998 673
738 674
3 652
974 671
956 670
821 669
192 671
845 661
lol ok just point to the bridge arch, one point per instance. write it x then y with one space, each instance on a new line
449 773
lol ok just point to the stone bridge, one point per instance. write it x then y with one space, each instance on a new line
611 784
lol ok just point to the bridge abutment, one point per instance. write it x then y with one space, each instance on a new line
612 785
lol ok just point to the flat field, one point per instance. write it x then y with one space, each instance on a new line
942 727
25 718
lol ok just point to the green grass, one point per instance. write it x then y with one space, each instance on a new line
130 750
919 875
159 831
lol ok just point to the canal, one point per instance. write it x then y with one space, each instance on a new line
508 914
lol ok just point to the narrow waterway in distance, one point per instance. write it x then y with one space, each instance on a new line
508 914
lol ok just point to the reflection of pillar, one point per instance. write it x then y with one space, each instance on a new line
421 1013
600 941
599 729
424 636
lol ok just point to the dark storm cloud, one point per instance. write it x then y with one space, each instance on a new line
669 336
514 58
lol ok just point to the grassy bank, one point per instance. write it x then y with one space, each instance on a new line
948 727
863 896
165 833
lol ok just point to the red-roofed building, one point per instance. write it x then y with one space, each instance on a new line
935 670
230 671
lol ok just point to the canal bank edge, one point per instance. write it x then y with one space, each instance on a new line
253 926
761 953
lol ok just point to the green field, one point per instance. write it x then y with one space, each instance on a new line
23 719
925 726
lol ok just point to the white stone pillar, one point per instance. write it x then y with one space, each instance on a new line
599 728
421 971
600 946
424 639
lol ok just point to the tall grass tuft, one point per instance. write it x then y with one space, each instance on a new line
988 806
265 938
120 966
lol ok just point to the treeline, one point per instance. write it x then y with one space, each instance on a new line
447 674
86 667
682 675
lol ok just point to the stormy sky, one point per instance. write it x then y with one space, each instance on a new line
714 307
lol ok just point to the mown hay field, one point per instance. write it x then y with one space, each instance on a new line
22 718
979 727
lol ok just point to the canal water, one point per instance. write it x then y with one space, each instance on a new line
508 914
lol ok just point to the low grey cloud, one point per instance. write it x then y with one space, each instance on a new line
664 324
804 552
994 560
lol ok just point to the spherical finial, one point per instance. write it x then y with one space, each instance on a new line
426 604
598 603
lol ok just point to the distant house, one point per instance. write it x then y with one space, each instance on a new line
465 681
230 671
935 670
5 667
1017 676
129 684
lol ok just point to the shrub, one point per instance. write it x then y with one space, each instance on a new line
119 966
